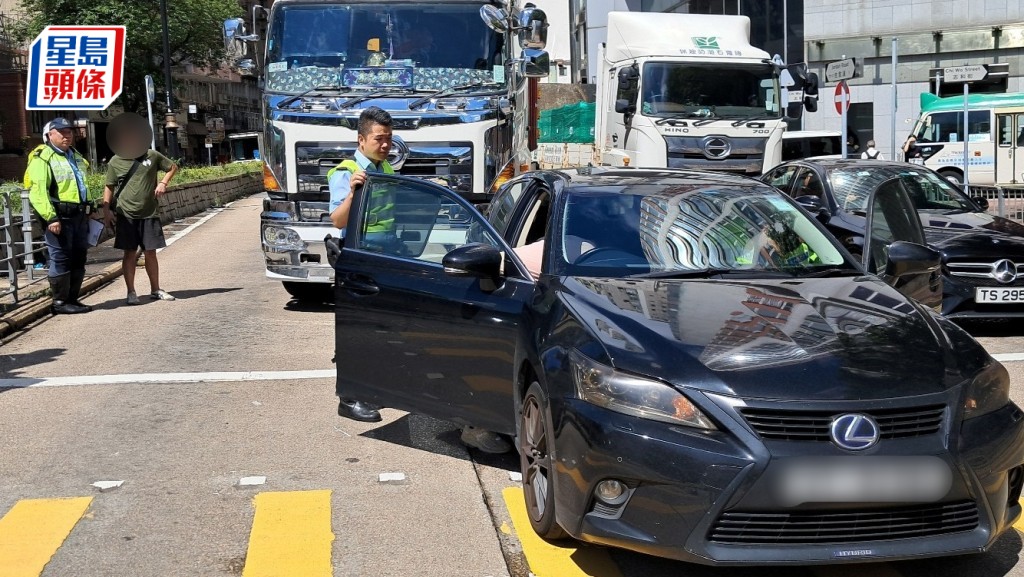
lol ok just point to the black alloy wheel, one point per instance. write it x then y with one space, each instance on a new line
535 461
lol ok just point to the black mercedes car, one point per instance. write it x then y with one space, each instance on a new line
698 371
982 254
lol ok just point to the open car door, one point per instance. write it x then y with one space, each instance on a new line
428 305
895 249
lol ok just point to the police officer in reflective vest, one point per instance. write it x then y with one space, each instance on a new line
374 143
61 199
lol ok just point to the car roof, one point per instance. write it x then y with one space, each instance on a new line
829 162
623 178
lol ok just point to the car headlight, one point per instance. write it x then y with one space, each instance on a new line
648 399
282 238
988 391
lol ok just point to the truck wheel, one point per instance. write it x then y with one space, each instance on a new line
307 292
952 175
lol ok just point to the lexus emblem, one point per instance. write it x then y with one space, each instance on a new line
716 147
854 432
399 152
1004 271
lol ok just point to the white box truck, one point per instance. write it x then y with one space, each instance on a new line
688 90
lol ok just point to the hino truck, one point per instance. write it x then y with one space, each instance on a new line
688 90
458 90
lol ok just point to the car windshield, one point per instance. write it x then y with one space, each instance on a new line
927 190
709 90
374 46
689 230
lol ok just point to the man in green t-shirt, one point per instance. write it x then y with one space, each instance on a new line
137 212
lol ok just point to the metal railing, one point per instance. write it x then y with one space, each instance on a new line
1006 201
16 253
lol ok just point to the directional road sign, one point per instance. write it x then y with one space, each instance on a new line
971 73
841 70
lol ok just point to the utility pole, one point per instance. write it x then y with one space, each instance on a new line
170 124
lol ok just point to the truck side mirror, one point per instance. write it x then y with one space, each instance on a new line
495 18
629 77
536 63
623 106
533 27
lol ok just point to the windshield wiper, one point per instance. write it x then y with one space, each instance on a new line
754 120
686 273
370 95
446 91
288 101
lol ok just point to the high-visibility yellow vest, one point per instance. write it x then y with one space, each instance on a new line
51 177
381 216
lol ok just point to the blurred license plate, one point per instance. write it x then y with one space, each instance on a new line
864 479
999 295
321 272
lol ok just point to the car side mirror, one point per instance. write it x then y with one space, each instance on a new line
482 261
981 201
908 258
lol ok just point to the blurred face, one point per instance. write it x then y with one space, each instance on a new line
376 144
63 138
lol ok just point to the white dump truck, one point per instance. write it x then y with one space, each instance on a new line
688 90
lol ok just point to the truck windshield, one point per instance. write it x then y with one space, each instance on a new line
374 46
709 90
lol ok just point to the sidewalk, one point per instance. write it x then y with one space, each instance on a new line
102 267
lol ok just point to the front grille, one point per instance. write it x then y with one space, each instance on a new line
813 425
448 163
844 526
982 274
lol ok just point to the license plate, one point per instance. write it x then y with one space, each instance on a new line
999 295
864 479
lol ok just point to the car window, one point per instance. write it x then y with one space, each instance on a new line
504 204
808 183
668 228
417 221
535 219
852 186
781 177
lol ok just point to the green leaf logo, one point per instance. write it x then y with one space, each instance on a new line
706 42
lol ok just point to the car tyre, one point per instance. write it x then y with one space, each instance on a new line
310 293
954 176
537 464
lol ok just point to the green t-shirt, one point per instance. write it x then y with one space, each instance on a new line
138 199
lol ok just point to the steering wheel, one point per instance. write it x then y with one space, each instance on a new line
604 255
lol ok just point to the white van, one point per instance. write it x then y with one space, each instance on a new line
798 144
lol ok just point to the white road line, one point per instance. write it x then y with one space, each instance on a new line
195 225
1008 357
165 378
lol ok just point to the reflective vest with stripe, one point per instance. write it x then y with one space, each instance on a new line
381 216
51 178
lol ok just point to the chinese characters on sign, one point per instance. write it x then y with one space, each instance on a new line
75 67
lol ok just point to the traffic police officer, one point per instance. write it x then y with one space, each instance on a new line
61 199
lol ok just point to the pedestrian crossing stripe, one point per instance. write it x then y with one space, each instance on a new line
570 559
33 530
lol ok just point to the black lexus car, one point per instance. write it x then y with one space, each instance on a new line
699 370
982 254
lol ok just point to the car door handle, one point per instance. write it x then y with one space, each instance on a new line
360 285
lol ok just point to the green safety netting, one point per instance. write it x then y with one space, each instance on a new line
570 123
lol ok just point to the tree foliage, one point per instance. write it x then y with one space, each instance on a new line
194 33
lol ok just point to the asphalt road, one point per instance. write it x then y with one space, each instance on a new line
182 401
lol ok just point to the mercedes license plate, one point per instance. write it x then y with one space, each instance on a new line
999 295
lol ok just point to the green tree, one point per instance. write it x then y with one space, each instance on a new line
194 32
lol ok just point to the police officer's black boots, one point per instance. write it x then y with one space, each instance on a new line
77 277
61 287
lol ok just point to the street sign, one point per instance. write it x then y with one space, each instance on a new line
150 89
209 145
75 68
970 73
841 70
842 97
